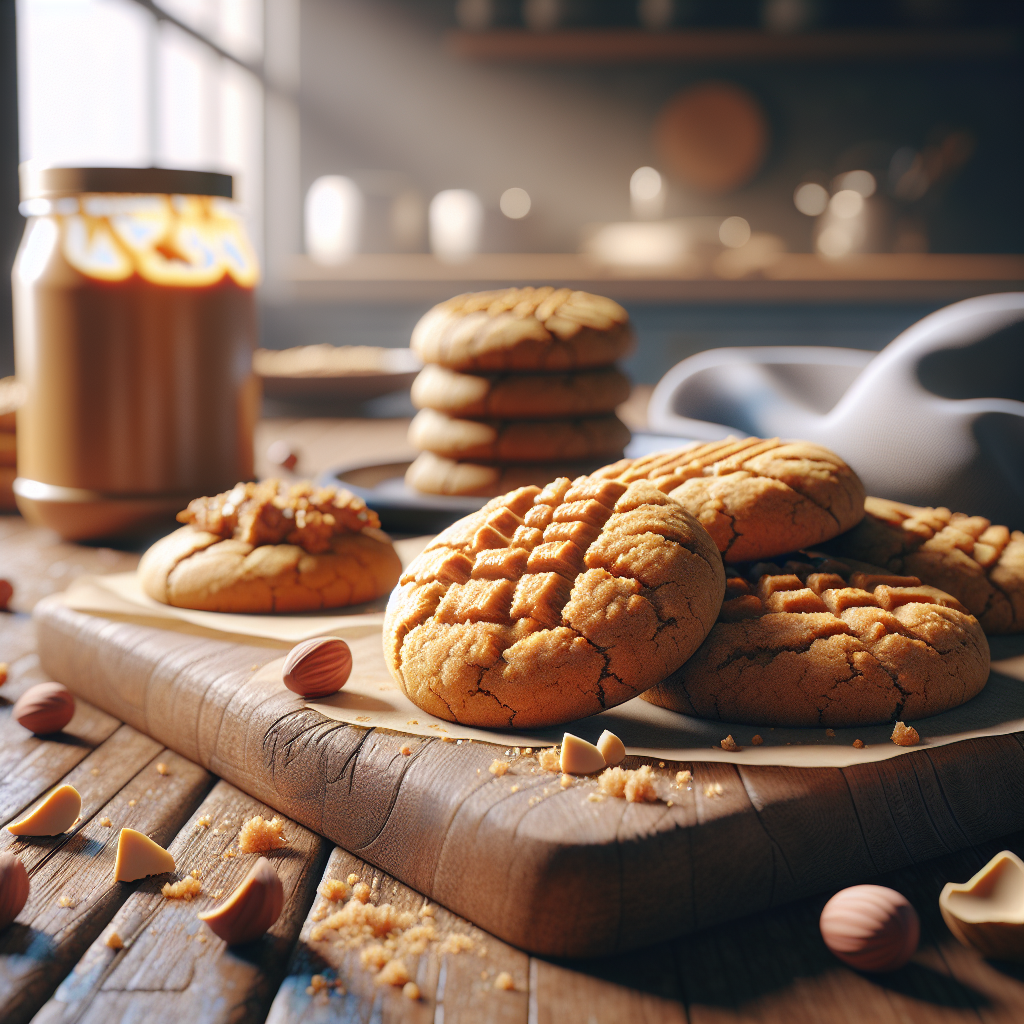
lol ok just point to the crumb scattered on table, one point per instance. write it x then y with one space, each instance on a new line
504 982
66 901
756 740
550 759
635 785
187 889
859 744
113 940
406 750
905 735
411 990
684 777
204 822
713 789
498 768
229 852
730 744
333 889
361 892
132 803
162 768
105 822
566 781
260 836
830 733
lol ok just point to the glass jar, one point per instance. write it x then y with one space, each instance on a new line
134 327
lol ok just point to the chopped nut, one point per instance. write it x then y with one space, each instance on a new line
859 744
333 889
549 759
905 735
498 768
504 982
578 757
394 972
411 990
105 822
162 768
259 836
756 740
187 889
730 744
683 777
113 940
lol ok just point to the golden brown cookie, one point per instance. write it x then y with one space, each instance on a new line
436 474
981 565
757 498
591 437
548 605
522 396
523 329
269 547
830 649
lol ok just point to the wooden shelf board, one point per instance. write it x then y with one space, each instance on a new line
792 277
626 45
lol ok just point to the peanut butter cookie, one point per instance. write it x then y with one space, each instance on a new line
523 329
592 437
981 565
830 648
520 396
269 548
435 474
548 605
757 498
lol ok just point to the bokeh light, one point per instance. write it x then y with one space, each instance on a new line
846 204
456 219
734 232
810 198
647 193
515 203
333 216
861 182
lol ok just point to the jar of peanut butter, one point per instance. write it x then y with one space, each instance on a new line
135 323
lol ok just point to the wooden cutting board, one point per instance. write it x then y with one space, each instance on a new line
554 874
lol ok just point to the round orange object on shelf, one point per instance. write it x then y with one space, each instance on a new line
713 137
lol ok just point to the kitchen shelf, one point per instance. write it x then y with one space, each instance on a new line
789 278
625 45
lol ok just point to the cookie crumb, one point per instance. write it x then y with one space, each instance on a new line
162 769
218 894
204 822
411 990
830 733
105 822
504 982
113 940
229 852
713 789
456 943
65 901
187 889
756 740
683 777
550 759
498 768
132 803
566 781
730 744
905 735
94 772
317 984
412 721
259 836
333 889
352 879
595 798
514 789
636 786
859 744
394 972
361 892
405 750
426 910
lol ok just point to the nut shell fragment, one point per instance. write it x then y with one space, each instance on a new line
251 909
139 857
987 912
56 814
13 888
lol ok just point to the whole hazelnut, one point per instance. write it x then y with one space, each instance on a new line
318 667
13 888
6 593
44 708
251 909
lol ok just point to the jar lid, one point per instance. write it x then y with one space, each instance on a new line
41 182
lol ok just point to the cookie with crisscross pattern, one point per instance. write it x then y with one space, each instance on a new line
806 645
552 604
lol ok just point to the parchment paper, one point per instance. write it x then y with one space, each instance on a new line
371 699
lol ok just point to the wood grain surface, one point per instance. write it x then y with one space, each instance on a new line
740 839
764 967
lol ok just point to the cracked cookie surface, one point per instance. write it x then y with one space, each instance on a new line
520 395
980 564
270 547
523 329
757 498
590 437
807 648
551 604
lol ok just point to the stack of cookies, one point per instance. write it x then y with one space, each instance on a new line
519 388
11 396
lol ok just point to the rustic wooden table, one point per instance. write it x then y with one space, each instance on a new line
55 964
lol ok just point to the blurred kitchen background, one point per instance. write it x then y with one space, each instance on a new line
735 172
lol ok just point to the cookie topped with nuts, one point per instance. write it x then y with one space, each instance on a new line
269 547
822 645
553 603
979 563
757 498
523 329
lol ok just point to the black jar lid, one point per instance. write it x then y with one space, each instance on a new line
41 182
